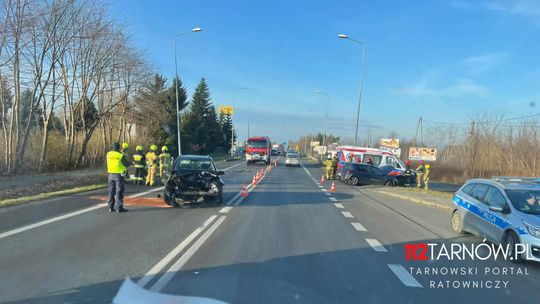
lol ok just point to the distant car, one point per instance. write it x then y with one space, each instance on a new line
274 152
292 159
193 179
399 175
364 174
503 210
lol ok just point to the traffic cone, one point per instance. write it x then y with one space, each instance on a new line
244 191
254 181
333 188
322 180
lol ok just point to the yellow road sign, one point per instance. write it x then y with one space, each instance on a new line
226 110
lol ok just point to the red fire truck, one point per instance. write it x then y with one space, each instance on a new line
258 149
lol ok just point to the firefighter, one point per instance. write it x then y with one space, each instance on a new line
164 161
334 166
151 163
408 174
426 176
328 165
125 147
116 172
420 174
138 163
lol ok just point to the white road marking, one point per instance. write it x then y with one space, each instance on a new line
359 227
324 190
171 255
234 166
65 216
347 214
225 210
45 222
405 277
328 194
333 199
376 245
177 266
338 205
146 192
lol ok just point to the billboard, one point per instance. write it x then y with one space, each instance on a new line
429 154
389 143
226 110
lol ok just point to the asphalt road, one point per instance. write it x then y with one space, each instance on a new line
289 241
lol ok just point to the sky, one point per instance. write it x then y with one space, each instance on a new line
441 60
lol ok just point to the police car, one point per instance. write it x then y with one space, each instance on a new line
504 210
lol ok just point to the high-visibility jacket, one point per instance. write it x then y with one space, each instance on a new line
151 159
420 169
115 162
164 160
138 160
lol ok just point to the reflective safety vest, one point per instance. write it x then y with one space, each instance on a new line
138 160
164 160
151 159
114 163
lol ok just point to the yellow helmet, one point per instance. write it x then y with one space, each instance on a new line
164 149
139 148
125 146
153 148
428 166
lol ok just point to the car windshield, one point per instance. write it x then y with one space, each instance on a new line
256 144
526 201
195 164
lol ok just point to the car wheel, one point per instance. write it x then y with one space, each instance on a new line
510 239
457 222
389 184
353 180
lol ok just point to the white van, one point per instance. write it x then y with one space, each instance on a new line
379 157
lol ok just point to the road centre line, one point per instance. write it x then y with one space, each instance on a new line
338 205
324 190
405 277
171 255
376 245
225 210
333 199
328 194
177 266
79 212
347 214
359 227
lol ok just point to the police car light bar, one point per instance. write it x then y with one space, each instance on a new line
515 179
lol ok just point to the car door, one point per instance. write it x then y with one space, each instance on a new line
361 171
494 198
477 206
376 176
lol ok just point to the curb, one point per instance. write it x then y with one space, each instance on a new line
415 200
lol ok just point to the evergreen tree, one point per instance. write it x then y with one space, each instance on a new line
226 125
170 125
200 124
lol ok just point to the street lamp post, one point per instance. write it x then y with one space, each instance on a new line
343 36
194 30
326 116
232 115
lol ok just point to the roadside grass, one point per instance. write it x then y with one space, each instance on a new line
220 156
42 196
431 192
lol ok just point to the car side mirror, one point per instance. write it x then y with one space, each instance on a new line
221 173
497 209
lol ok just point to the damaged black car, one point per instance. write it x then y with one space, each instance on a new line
194 179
